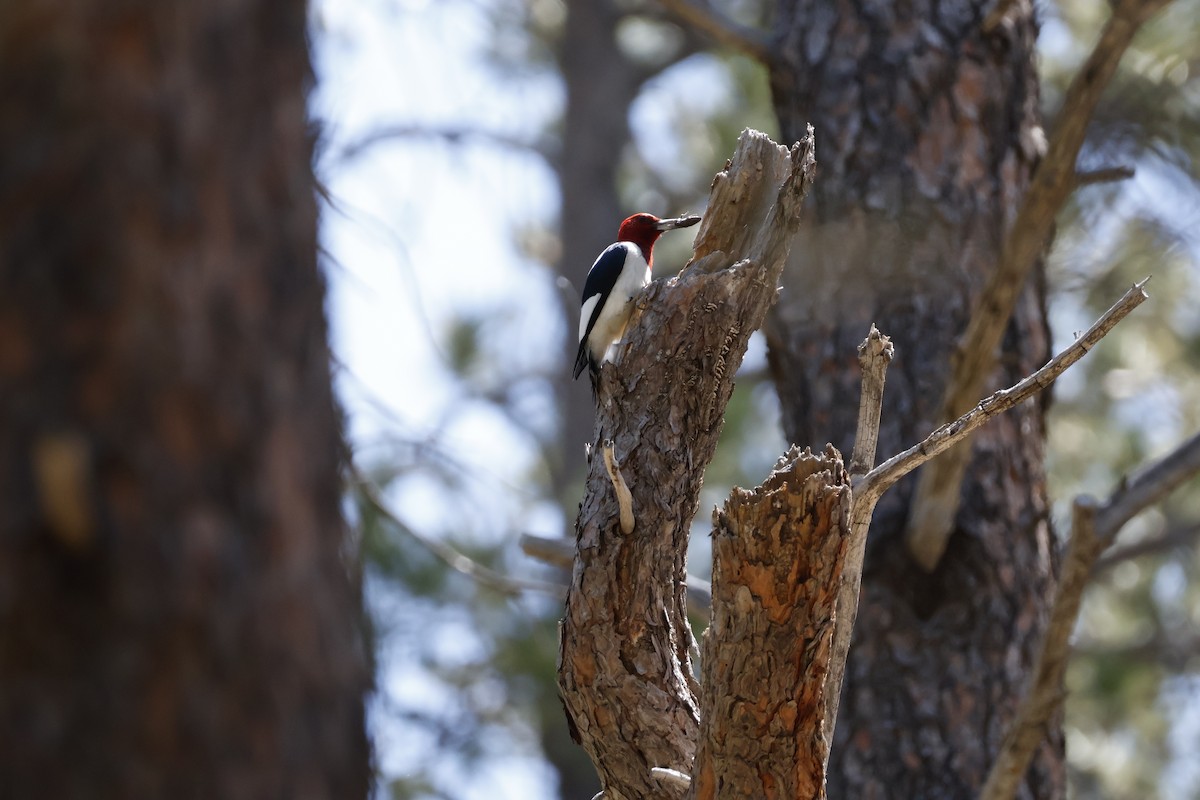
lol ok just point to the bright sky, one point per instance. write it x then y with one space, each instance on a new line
427 224
420 231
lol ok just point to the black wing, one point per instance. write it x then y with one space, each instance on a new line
601 279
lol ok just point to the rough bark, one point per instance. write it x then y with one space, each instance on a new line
929 132
936 498
176 618
778 554
625 670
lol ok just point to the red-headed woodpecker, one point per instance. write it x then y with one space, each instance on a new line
620 272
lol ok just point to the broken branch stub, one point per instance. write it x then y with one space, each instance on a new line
778 554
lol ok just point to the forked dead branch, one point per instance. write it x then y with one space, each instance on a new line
626 672
787 555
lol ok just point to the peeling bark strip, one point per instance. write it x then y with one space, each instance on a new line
778 554
625 671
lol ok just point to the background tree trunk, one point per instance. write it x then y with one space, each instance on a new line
928 132
175 614
601 84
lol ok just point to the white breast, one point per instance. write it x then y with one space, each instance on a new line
610 325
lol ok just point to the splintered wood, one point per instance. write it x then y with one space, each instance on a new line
778 553
625 668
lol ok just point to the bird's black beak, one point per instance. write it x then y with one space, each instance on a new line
678 222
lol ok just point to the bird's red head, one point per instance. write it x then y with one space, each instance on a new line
644 230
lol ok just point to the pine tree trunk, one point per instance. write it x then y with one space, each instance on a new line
175 614
927 132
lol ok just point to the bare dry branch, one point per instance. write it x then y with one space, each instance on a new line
701 16
935 502
1173 539
1107 175
1148 487
878 480
874 355
560 552
451 135
1094 527
556 551
1045 693
482 575
1170 651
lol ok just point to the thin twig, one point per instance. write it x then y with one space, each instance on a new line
482 575
878 480
874 355
1171 540
1094 527
1148 487
701 16
560 552
935 502
450 135
1091 177
555 551
1167 650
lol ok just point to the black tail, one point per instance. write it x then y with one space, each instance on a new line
583 359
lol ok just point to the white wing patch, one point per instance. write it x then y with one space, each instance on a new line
585 314
613 316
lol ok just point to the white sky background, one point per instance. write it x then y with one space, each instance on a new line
421 232
428 229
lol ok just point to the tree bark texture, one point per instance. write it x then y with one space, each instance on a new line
778 553
625 670
929 132
176 618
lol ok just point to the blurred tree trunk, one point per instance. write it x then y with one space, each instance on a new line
927 133
176 618
601 85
